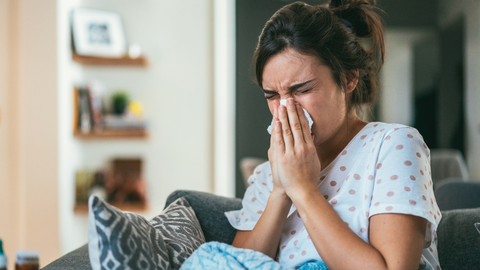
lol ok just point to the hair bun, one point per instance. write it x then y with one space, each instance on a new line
354 11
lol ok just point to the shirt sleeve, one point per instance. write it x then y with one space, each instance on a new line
403 182
255 199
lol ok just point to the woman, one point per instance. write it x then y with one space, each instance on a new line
352 194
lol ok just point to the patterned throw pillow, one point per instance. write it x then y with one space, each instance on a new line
124 240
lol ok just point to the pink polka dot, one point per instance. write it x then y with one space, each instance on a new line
333 183
326 197
351 191
421 172
424 198
410 136
323 177
344 152
413 178
381 130
297 267
283 247
408 163
395 129
259 172
269 174
370 177
424 146
407 188
304 253
334 201
379 181
375 132
293 232
348 176
425 186
263 183
259 212
364 144
243 213
366 197
399 147
295 243
412 202
291 256
379 165
338 189
390 194
388 137
438 267
389 208
308 237
371 140
375 125
418 155
356 176
394 177
254 199
366 214
343 168
362 230
363 137
377 203
246 220
351 209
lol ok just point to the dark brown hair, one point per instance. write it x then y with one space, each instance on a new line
332 33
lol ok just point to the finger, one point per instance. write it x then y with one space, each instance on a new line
295 124
304 123
287 132
277 139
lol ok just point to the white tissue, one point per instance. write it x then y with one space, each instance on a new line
307 115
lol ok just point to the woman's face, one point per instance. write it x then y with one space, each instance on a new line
310 83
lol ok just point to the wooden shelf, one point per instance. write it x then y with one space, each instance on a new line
83 208
140 61
112 134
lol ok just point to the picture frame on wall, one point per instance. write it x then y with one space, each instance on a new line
98 33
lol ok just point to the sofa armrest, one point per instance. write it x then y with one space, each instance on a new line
75 260
458 239
210 210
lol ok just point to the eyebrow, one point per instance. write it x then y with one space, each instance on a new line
290 88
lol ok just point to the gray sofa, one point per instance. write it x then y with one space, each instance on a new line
458 240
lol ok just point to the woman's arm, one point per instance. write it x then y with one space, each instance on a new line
265 236
396 240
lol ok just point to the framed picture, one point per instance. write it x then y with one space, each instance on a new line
98 33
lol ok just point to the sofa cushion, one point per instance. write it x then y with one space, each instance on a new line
210 210
119 240
458 239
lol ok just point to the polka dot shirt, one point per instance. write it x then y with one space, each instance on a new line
384 169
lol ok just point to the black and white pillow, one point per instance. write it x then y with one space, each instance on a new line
125 240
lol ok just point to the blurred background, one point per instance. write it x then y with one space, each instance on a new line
176 108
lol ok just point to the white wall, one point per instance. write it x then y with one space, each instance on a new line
176 91
396 79
450 10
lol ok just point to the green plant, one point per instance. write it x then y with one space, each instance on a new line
120 102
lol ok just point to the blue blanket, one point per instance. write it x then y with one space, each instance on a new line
215 255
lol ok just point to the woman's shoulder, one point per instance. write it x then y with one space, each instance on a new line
386 130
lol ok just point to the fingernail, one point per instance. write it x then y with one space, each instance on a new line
290 101
282 108
277 123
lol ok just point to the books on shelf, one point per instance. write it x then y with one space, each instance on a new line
89 116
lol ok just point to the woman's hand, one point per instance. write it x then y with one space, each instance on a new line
292 154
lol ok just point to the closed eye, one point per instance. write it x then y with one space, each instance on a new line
270 94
